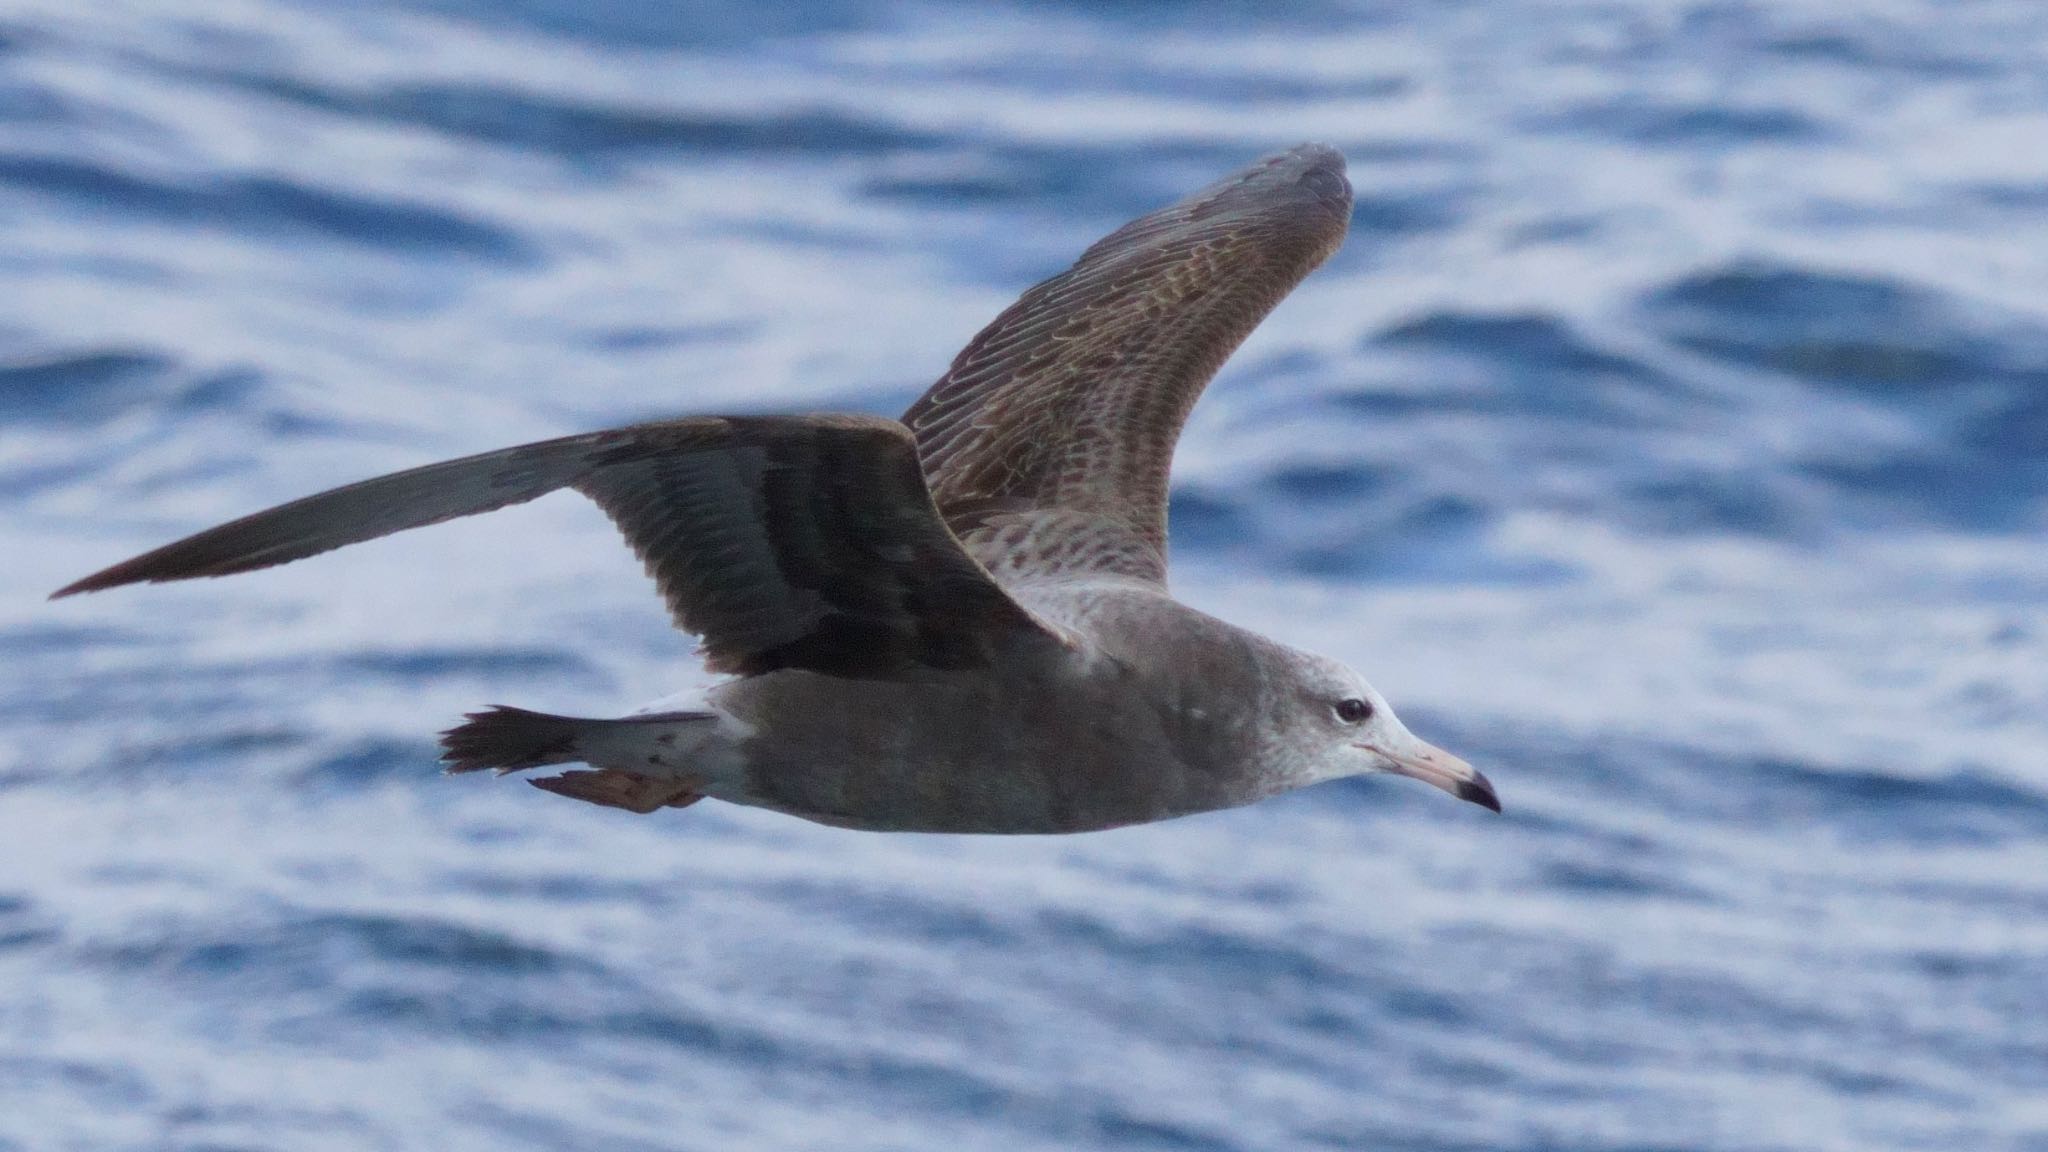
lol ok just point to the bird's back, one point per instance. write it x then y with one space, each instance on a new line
1147 713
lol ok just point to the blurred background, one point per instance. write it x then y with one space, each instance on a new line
1667 440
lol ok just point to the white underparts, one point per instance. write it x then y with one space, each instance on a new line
698 750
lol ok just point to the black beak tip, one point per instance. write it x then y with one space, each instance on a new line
1479 790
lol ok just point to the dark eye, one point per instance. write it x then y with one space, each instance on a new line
1354 711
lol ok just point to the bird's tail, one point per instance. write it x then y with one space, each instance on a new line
511 740
640 762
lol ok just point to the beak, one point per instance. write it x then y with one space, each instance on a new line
1432 765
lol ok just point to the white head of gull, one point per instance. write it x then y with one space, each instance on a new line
954 623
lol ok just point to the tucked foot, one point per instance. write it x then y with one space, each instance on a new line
639 763
615 789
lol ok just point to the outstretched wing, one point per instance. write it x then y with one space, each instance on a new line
1048 442
784 542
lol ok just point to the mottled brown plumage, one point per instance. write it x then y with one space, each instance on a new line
955 623
1054 429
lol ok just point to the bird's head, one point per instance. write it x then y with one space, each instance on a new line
1350 731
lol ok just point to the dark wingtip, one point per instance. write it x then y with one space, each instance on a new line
171 562
97 582
1318 154
1316 170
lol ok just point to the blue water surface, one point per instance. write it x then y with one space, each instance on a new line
1670 439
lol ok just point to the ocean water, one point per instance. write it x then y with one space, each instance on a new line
1670 439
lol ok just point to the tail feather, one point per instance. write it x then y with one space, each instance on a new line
510 740
656 771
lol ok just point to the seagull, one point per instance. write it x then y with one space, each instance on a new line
957 622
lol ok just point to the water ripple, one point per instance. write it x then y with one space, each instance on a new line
265 206
1667 438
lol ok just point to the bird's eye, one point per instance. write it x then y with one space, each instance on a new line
1354 711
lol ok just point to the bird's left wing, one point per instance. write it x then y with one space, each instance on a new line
783 541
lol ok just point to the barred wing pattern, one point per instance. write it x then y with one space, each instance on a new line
1047 444
783 541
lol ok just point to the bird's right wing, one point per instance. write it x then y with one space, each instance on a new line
1047 444
784 542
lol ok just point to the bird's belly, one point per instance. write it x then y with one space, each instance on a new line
1051 755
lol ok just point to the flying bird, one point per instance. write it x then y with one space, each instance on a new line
956 622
